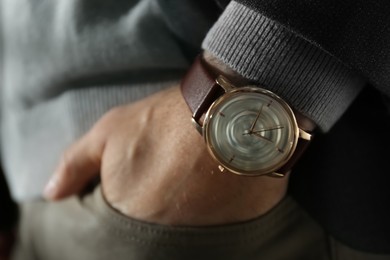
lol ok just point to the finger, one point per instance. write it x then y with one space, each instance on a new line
78 166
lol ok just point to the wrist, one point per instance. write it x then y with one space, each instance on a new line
177 182
216 198
209 196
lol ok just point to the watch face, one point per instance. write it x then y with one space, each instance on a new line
250 131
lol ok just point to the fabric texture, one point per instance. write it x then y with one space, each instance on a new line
51 232
65 63
355 31
260 49
286 232
342 180
255 37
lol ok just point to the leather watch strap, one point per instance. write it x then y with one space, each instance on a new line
302 145
199 88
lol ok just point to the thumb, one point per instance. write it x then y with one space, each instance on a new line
79 164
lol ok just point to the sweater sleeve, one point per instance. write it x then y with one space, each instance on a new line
263 50
357 32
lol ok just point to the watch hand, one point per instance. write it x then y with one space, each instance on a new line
262 137
257 118
268 129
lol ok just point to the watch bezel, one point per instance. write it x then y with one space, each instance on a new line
229 92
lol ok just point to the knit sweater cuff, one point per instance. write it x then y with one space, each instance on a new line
312 81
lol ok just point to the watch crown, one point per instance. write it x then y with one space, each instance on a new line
221 168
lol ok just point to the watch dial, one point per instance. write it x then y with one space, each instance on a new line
251 131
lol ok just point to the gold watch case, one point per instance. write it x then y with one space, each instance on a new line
250 131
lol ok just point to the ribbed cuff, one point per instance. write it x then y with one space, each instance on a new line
309 79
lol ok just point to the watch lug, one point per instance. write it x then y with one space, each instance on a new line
276 175
304 135
224 83
197 126
221 168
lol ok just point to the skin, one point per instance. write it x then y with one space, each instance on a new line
154 166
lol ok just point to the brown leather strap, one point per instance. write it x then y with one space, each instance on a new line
199 88
299 150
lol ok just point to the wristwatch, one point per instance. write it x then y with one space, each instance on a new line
248 130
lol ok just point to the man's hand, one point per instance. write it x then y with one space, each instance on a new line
155 167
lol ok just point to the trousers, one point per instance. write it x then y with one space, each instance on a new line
86 227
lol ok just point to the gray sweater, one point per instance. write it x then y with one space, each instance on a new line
62 68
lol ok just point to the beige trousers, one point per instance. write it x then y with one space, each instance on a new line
88 228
